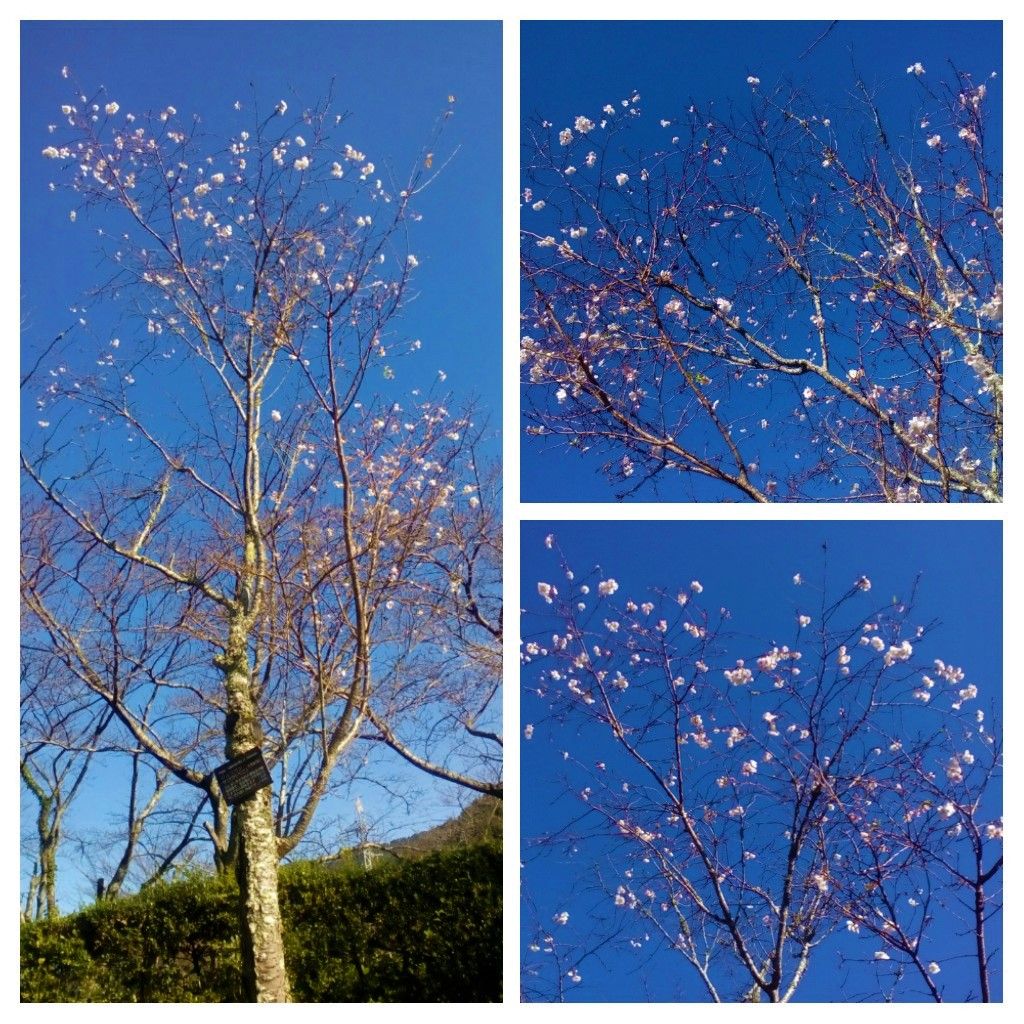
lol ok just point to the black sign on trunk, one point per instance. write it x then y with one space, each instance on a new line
243 776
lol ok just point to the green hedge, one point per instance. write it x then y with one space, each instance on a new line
418 931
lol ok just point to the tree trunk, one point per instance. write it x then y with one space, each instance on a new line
262 936
48 822
33 889
263 964
48 875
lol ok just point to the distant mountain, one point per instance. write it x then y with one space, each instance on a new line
479 822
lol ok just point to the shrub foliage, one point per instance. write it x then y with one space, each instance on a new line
426 930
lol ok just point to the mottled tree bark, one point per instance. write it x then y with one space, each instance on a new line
47 898
48 825
262 937
263 963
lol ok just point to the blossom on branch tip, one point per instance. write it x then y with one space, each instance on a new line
900 653
740 675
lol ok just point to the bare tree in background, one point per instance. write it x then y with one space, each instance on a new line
59 737
226 460
789 304
744 801
66 727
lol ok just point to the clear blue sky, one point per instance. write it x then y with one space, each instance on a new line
572 68
395 79
747 567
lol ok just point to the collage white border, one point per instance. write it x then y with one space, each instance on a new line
510 13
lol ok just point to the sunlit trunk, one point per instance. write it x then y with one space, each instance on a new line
48 876
263 962
256 870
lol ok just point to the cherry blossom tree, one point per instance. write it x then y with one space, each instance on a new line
240 459
752 809
443 684
783 303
